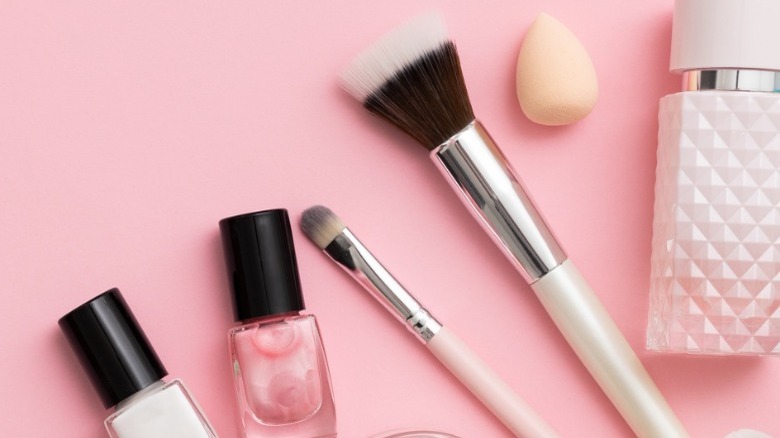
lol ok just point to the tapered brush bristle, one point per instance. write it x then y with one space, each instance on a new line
412 78
321 225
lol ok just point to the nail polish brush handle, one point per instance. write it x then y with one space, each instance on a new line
487 386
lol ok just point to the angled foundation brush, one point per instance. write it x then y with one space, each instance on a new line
412 78
327 231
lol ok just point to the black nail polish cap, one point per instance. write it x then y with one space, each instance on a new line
261 264
111 347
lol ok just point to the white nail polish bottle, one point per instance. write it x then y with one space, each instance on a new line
128 375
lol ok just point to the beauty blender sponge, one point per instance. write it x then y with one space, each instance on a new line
556 81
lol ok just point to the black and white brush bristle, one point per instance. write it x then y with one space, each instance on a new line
412 78
321 225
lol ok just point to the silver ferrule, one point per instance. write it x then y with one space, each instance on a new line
347 251
767 81
482 176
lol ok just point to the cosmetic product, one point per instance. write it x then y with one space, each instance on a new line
715 276
412 79
327 231
556 80
280 371
128 375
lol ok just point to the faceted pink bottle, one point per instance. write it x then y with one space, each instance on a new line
715 276
280 371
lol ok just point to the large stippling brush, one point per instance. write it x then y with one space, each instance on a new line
412 78
328 232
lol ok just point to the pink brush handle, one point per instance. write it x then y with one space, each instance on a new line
487 386
596 339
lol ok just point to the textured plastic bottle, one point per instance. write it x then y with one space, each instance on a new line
127 373
715 276
279 367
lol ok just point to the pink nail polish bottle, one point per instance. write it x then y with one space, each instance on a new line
279 366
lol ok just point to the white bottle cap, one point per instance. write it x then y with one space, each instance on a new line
724 34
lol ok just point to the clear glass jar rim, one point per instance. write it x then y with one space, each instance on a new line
415 434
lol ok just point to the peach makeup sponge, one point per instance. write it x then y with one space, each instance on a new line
556 81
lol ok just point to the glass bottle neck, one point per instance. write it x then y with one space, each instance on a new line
140 394
766 81
269 318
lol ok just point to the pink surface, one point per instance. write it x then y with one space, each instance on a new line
128 129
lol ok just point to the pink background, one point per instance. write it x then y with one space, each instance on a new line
128 129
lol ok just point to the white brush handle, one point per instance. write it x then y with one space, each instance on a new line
488 387
598 342
483 178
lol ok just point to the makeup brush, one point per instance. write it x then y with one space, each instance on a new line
327 231
412 78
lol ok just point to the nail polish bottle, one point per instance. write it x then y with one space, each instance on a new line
128 375
716 231
279 367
